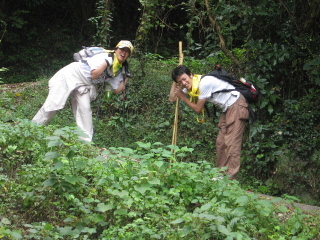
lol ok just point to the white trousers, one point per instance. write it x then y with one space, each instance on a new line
81 105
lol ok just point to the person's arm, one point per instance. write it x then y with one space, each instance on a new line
173 96
96 73
122 86
197 107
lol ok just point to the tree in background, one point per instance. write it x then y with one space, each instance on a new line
41 35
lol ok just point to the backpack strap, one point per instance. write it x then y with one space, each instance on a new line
125 71
224 90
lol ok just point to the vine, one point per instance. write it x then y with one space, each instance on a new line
154 16
4 31
103 22
217 27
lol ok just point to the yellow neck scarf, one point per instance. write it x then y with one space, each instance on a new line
195 93
116 65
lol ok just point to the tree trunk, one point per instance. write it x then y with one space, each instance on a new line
217 28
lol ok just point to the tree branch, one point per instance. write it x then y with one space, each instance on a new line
217 28
5 29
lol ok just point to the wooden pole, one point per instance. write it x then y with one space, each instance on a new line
175 126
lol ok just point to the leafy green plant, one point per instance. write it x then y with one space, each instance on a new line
312 67
283 153
69 189
58 187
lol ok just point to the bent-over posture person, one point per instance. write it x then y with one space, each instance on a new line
234 108
78 79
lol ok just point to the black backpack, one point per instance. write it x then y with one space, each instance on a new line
247 89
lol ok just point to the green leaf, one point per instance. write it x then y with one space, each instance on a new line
167 154
51 155
207 216
270 109
243 200
71 154
142 188
186 149
96 218
159 164
206 206
74 179
101 207
5 221
223 229
239 211
54 141
59 132
144 145
70 219
154 181
65 230
58 164
121 212
123 193
81 164
49 182
173 147
177 221
48 227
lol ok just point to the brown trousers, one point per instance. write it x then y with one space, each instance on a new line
229 142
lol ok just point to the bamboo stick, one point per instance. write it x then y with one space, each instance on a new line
175 126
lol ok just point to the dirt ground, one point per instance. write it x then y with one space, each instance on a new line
308 209
17 87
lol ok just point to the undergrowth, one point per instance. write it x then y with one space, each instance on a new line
129 184
64 188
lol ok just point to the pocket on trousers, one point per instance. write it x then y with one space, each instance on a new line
244 111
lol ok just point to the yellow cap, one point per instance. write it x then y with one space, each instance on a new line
125 44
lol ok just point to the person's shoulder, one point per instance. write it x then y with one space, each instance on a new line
102 56
207 79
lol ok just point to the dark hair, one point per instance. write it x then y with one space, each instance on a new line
178 71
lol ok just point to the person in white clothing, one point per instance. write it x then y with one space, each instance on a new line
78 79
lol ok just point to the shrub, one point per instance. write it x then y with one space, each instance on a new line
143 193
284 151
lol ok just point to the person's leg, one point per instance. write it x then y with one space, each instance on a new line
233 140
232 128
43 117
220 142
56 90
82 112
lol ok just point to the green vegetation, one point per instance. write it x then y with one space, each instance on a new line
55 187
129 184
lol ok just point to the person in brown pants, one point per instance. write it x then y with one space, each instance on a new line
234 108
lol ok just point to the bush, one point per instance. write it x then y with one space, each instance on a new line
56 187
284 152
144 193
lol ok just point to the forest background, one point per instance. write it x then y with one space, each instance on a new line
274 44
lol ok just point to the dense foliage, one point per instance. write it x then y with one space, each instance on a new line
53 186
274 44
